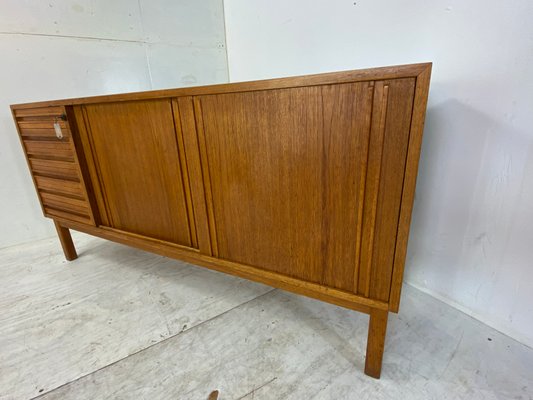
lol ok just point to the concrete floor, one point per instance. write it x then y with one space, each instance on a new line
119 323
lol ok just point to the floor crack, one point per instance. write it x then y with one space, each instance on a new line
252 392
453 355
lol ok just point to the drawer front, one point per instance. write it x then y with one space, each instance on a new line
60 186
44 130
49 150
54 169
47 141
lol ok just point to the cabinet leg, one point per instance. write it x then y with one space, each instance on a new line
66 242
376 342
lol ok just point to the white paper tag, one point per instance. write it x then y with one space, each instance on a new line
57 128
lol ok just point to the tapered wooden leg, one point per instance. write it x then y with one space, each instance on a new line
376 342
66 242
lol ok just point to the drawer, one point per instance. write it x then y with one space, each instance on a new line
60 186
54 163
52 111
54 169
69 204
43 130
49 150
59 214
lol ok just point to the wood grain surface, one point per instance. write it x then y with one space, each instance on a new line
285 169
137 155
305 183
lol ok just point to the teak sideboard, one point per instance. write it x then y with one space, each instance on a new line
305 183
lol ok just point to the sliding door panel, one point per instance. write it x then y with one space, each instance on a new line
285 170
137 160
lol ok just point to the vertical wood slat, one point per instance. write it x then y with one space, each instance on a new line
362 189
206 175
384 186
377 136
191 151
184 173
399 109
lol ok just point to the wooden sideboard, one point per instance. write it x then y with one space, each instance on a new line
305 183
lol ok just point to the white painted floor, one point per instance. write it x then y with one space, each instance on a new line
119 323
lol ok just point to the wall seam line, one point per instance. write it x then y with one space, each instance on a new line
226 38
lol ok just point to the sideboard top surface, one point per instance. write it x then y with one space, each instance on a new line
360 75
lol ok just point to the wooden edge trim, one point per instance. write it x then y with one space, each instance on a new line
27 161
334 296
368 74
157 242
409 185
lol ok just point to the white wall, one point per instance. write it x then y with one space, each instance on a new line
472 232
56 49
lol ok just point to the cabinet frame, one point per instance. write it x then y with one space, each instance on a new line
191 147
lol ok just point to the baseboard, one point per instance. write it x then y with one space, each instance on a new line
519 337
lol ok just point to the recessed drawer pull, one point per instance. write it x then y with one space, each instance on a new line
57 128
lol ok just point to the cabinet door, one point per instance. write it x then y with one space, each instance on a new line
137 161
296 179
